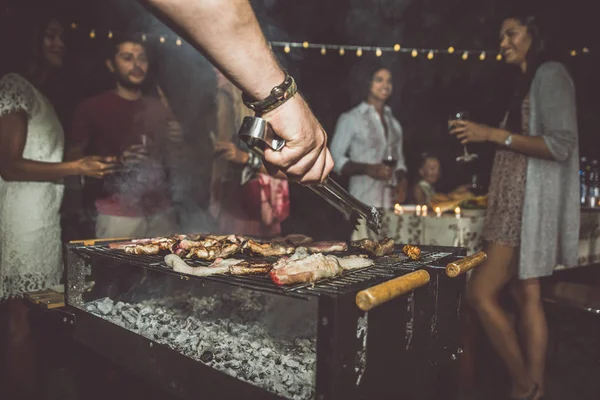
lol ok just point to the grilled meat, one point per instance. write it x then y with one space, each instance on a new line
327 247
220 266
146 249
377 249
269 249
354 262
413 252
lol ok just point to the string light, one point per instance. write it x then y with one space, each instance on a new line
73 25
499 57
482 56
305 45
162 39
110 34
573 53
286 48
378 52
358 52
450 50
323 51
397 47
465 55
585 50
342 51
178 42
430 55
414 53
92 34
144 38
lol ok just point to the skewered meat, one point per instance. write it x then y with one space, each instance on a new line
327 247
413 252
377 249
304 268
220 266
269 249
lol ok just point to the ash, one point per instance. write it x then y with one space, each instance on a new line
229 332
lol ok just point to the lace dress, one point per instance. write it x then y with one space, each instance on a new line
30 245
507 193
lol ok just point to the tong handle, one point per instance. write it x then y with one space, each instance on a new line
258 135
463 265
372 297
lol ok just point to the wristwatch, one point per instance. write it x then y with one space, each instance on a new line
508 140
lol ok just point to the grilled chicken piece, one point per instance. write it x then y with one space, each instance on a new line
354 262
327 247
269 249
147 249
305 270
250 268
413 252
220 266
377 249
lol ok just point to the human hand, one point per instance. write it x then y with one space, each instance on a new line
230 152
305 157
381 172
96 166
134 154
470 132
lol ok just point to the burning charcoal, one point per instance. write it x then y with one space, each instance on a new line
91 308
206 356
145 311
182 337
292 363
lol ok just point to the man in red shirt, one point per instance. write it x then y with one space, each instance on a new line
124 122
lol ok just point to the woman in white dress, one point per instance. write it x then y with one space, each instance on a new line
31 170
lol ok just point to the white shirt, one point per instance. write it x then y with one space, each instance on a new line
360 137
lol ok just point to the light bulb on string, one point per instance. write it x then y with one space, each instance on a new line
110 34
450 50
359 52
73 25
573 53
342 51
465 55
323 51
585 50
482 56
378 52
305 45
430 55
92 34
144 37
499 57
286 48
397 47
162 39
178 42
414 53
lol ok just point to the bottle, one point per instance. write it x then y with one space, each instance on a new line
594 184
583 180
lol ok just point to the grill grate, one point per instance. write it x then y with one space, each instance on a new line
385 268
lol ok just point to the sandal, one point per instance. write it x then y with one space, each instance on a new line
530 396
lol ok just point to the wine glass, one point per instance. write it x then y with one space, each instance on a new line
466 156
390 160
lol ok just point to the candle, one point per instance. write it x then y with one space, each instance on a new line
457 212
398 209
418 210
438 212
424 211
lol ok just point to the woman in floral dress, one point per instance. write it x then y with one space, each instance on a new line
532 223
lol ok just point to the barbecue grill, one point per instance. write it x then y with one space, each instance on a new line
222 337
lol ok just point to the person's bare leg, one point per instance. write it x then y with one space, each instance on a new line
20 352
483 291
532 327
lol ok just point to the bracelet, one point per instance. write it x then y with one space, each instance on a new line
279 95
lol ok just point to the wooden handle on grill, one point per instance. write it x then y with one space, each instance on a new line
92 242
463 265
386 291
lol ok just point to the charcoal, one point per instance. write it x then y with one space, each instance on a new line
230 333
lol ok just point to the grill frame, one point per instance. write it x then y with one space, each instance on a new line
433 341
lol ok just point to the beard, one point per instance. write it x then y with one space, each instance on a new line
124 81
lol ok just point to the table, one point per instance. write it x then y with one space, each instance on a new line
448 230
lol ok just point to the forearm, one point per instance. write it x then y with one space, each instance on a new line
534 146
353 168
228 33
35 171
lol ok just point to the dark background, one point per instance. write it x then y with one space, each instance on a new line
425 91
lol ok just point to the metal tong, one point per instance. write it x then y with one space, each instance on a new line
258 134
